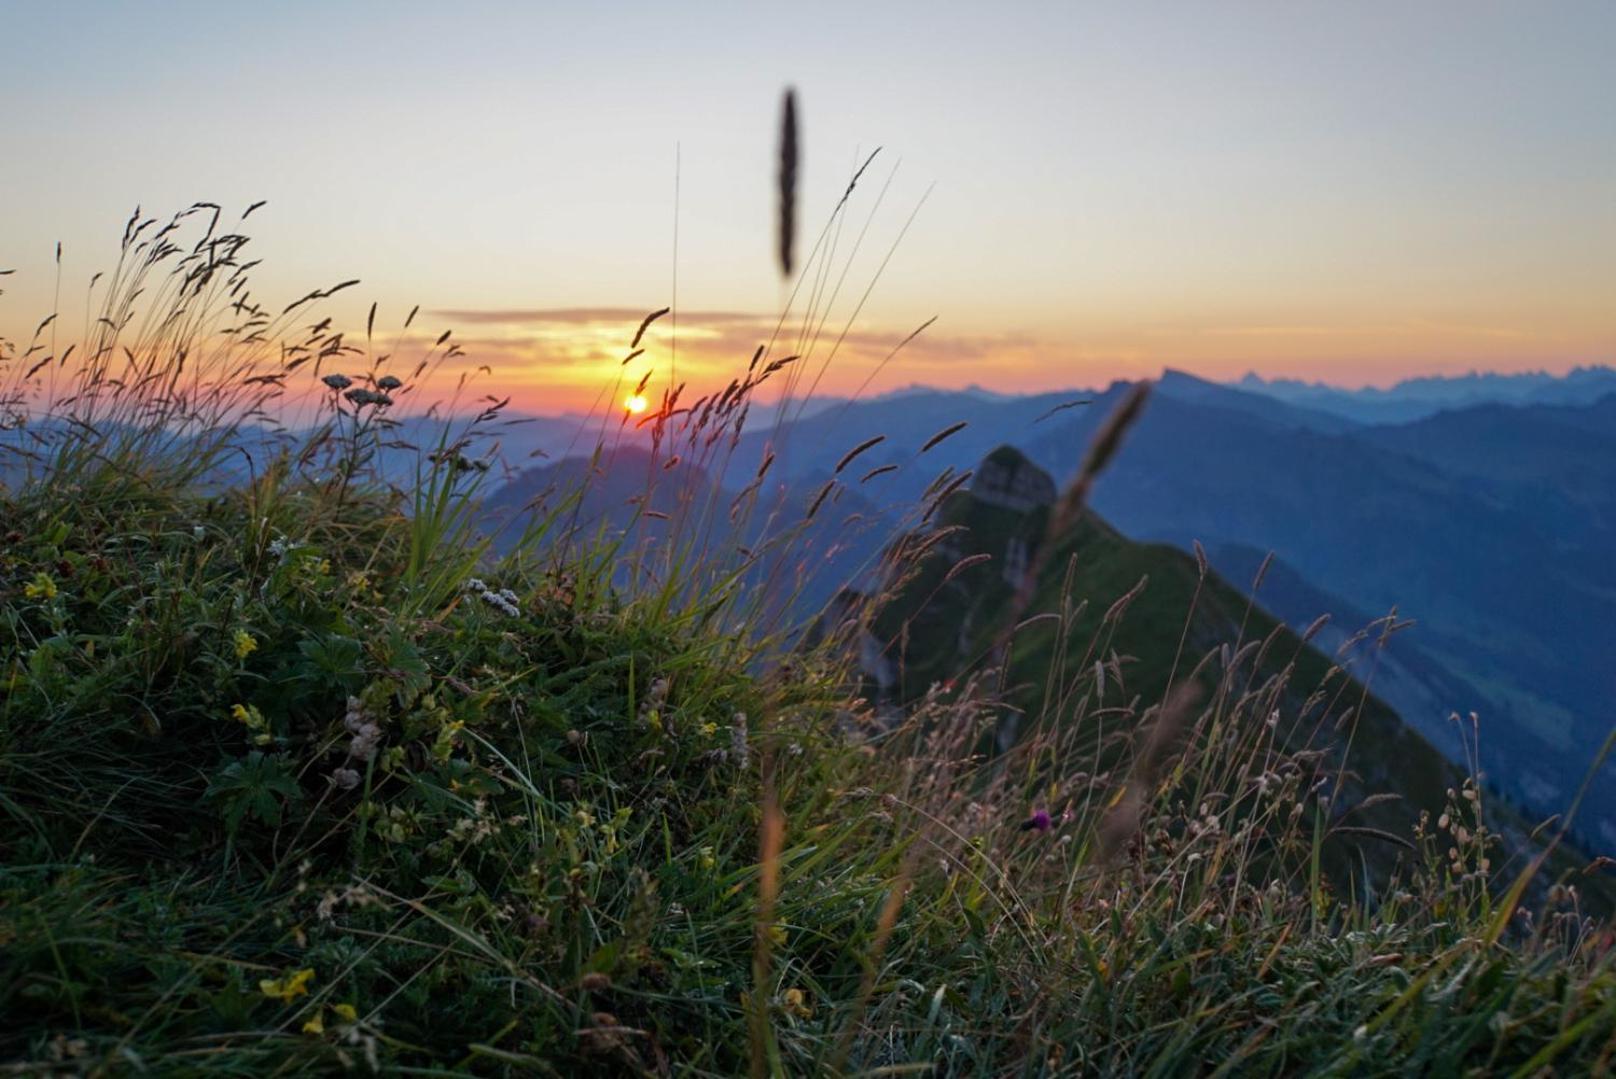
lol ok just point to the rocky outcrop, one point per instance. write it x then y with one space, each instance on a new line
1007 478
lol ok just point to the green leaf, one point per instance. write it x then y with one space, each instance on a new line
256 785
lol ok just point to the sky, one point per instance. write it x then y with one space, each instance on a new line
1350 192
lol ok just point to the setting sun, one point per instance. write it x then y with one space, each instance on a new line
635 403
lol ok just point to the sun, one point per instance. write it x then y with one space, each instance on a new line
635 403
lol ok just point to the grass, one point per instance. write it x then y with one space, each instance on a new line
298 776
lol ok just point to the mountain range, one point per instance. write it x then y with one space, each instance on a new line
1479 513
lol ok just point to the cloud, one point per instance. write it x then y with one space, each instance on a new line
585 316
1361 329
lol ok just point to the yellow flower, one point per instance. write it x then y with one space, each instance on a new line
250 717
315 1025
41 587
289 988
709 729
797 1003
346 1012
245 643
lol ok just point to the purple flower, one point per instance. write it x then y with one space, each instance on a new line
1038 822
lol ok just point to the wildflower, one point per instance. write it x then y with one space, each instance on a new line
503 601
388 383
345 779
706 860
337 382
244 643
346 1012
41 587
797 1003
315 1025
250 717
709 729
652 706
444 743
1039 821
362 397
367 735
289 988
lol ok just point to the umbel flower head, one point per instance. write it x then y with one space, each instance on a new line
362 397
337 382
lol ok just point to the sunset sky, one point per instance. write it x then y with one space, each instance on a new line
1349 192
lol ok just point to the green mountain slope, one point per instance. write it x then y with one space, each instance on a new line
1112 625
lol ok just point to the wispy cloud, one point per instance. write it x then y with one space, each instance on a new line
1359 329
583 316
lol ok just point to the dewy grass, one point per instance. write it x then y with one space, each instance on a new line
299 774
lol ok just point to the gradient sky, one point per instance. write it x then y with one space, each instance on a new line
1353 192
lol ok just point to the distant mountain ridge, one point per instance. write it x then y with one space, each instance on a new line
1417 398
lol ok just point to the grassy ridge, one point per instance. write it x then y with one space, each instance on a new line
297 776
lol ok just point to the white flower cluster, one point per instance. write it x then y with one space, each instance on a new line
280 547
367 734
504 601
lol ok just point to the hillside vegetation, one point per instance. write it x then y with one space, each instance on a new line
299 776
1487 529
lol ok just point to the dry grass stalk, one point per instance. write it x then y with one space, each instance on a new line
771 839
789 161
947 432
1122 822
1070 506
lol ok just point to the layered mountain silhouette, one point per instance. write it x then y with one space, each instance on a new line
1487 529
1416 398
